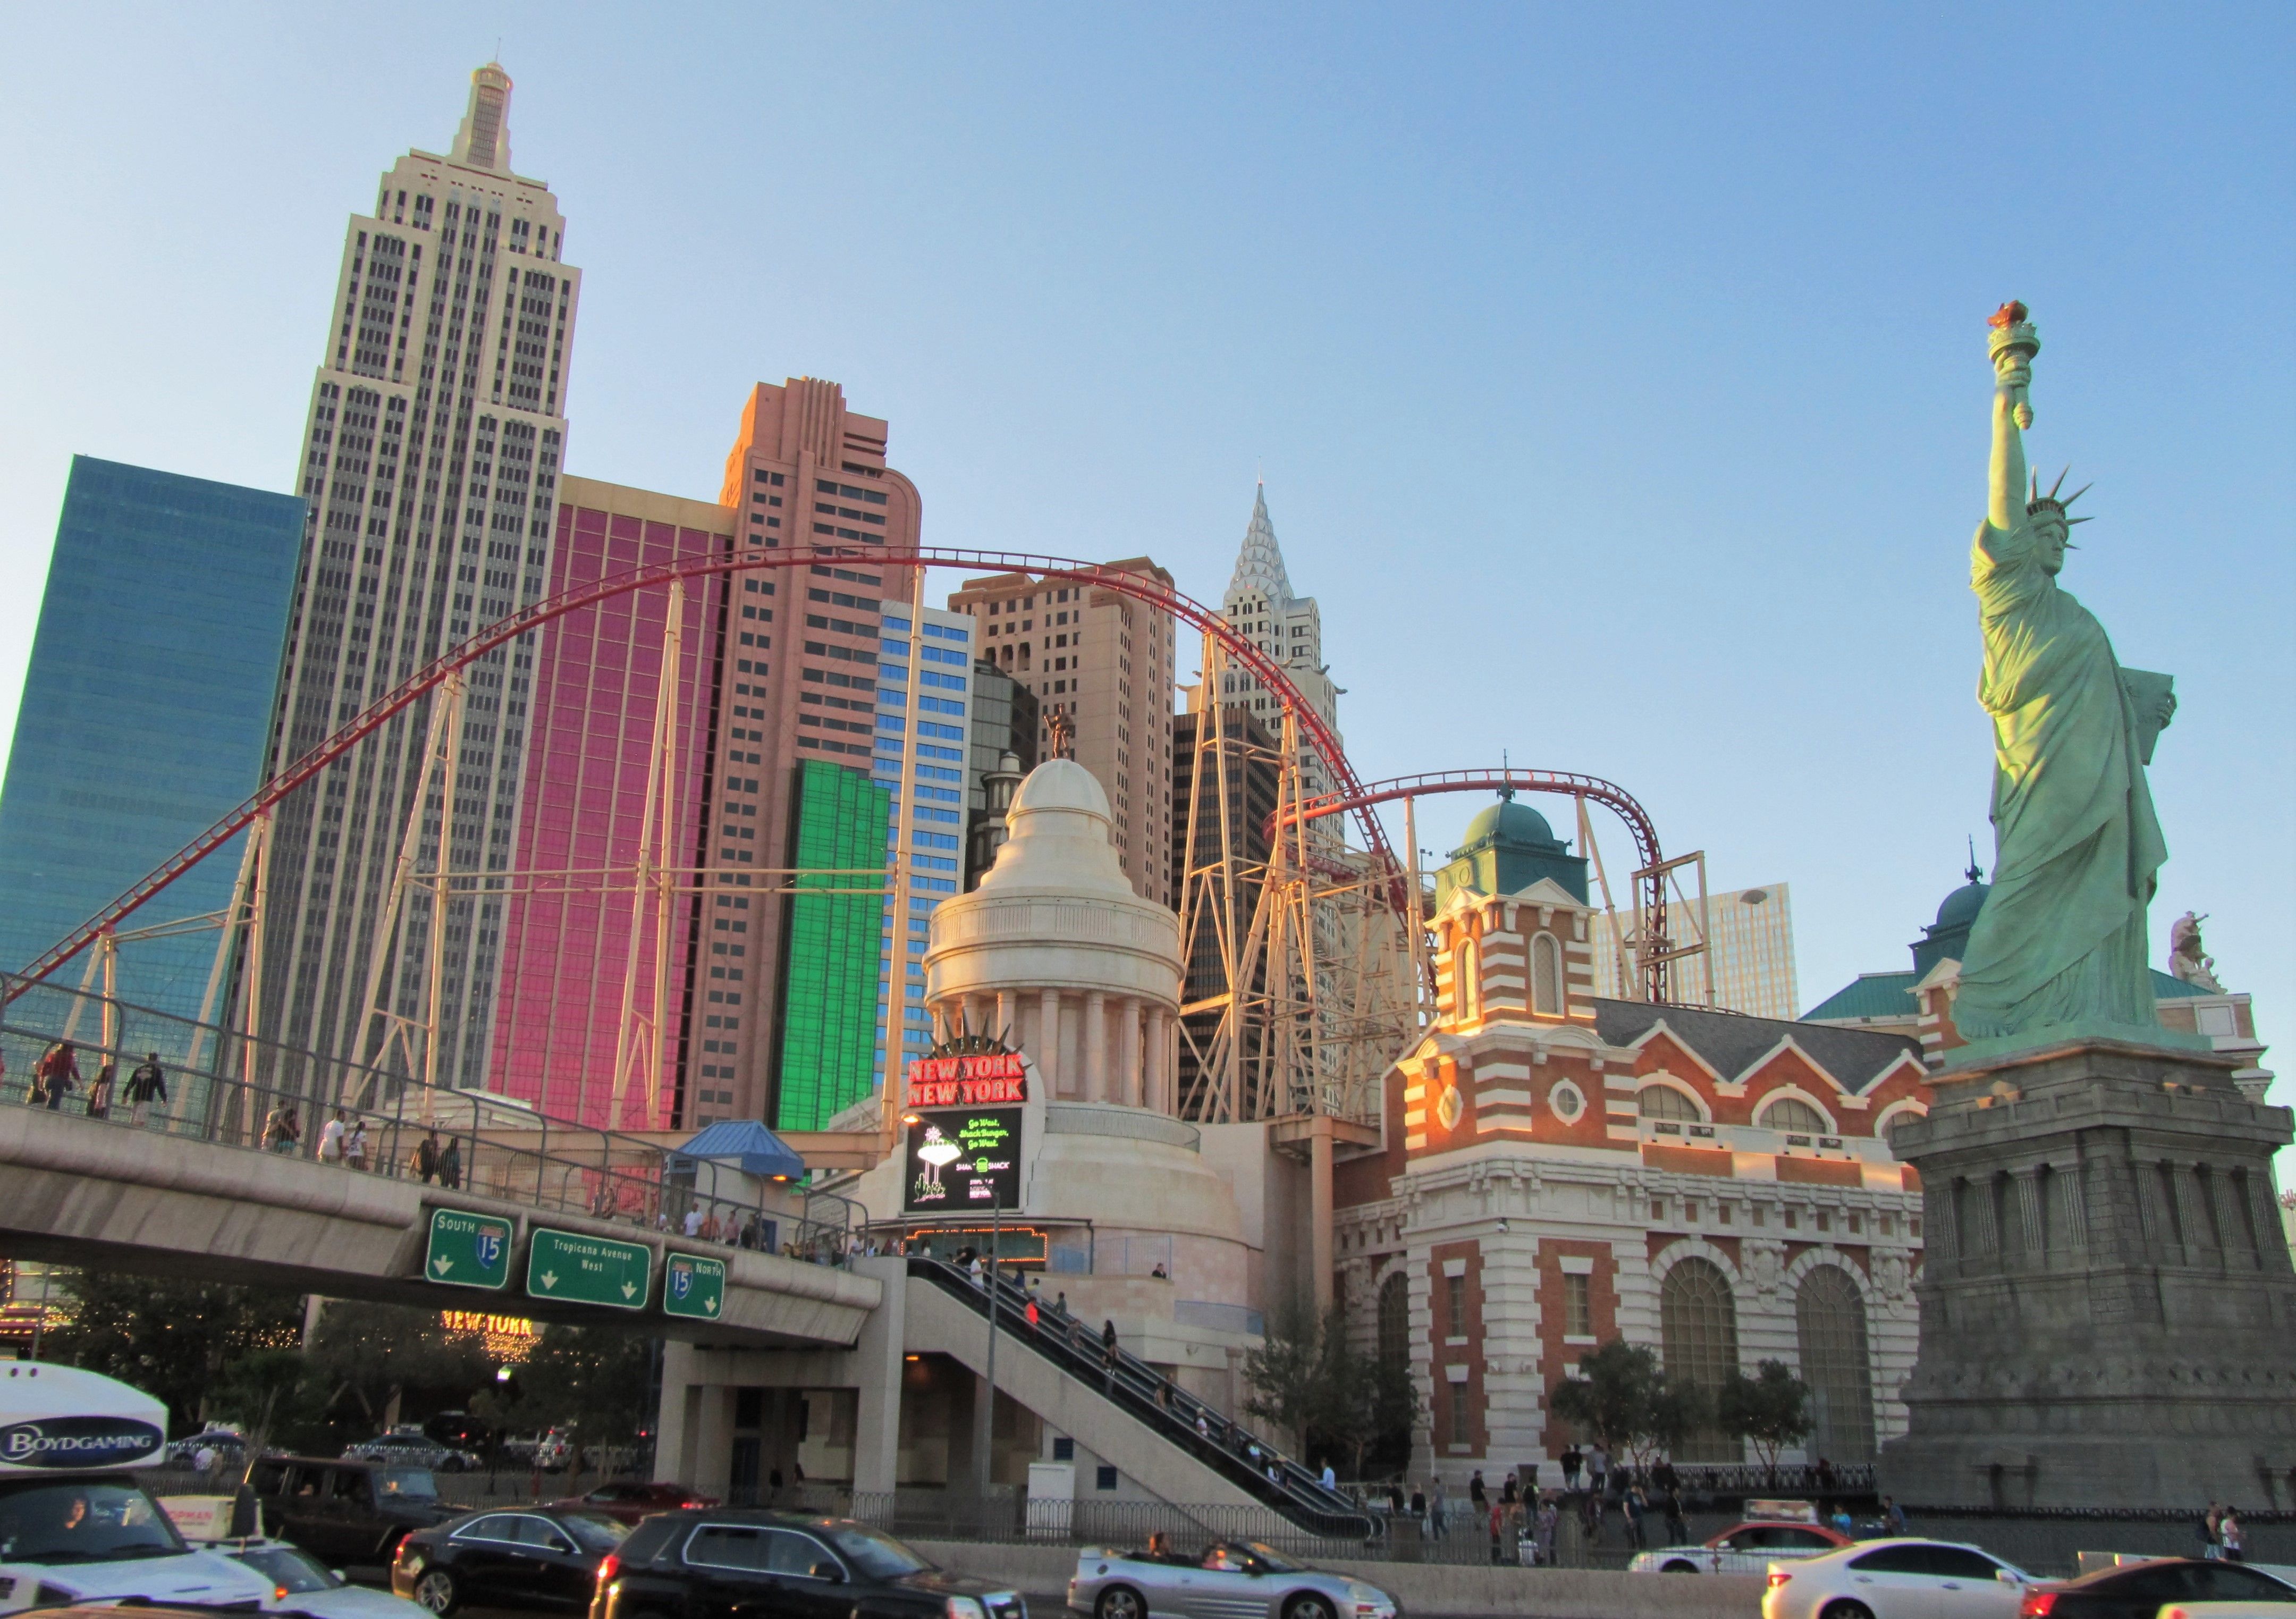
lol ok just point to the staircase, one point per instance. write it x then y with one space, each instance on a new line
1239 1457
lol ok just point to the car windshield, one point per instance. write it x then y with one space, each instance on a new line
94 1521
1273 1561
292 1571
878 1555
593 1532
407 1484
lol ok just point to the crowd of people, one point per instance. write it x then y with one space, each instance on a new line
57 1077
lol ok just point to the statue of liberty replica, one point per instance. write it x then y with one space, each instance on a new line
2108 1312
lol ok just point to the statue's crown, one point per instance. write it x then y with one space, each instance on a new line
2040 503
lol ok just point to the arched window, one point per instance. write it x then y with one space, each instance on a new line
1665 1101
1395 1319
1796 1117
1698 1333
1466 980
1546 975
1830 1320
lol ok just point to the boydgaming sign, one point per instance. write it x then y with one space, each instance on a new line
978 1080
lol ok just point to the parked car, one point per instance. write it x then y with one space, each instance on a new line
1742 1549
1897 1579
2139 1590
704 1564
346 1511
554 1450
302 1584
629 1502
460 1430
1226 1578
536 1557
229 1445
407 1445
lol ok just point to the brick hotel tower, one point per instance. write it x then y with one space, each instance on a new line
436 434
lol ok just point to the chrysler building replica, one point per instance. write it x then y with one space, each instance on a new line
431 458
1289 630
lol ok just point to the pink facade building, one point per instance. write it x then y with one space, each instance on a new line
568 931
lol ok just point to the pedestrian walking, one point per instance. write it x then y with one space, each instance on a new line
1637 1508
1330 1480
99 1095
1497 1515
1550 1520
1598 1471
56 1077
356 1146
450 1165
692 1221
2231 1541
1029 1314
422 1162
1893 1515
283 1131
1419 1509
1438 1510
2207 1531
1477 1493
1511 1492
148 1084
331 1138
1572 1461
1108 1352
1678 1530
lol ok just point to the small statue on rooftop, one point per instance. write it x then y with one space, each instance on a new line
2186 959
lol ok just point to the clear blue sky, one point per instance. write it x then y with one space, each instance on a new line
1618 372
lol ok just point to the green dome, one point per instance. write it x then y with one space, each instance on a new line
1509 822
1960 905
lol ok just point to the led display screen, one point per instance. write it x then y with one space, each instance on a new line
965 1160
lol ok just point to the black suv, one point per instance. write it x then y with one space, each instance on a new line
347 1512
715 1564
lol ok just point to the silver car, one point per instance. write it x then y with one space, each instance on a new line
1225 1580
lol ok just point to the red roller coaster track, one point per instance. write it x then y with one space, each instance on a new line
1139 587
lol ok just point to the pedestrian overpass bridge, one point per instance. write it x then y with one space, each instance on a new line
100 1192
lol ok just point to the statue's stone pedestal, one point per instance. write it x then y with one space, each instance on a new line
2108 1307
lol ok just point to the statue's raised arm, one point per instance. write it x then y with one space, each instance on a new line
2014 346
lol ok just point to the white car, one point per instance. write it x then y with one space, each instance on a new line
1897 1579
301 1585
1744 1548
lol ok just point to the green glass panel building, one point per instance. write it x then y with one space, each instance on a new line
827 1041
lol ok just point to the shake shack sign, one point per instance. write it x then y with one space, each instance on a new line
79 1441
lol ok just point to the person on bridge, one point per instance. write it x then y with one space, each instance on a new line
99 1095
148 1084
422 1162
355 1146
450 1165
283 1131
56 1077
331 1138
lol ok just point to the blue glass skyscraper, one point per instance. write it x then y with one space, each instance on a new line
145 712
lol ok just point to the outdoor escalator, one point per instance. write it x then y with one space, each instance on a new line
1155 1400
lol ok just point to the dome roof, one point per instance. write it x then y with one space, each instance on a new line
1510 822
1960 905
1061 783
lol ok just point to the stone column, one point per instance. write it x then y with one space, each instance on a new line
1127 1052
2069 1179
1008 1017
1320 1210
1048 1043
1156 1081
1096 1045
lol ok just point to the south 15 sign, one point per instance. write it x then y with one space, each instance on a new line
982 1080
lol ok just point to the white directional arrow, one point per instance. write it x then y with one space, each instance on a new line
442 1264
629 1288
548 1279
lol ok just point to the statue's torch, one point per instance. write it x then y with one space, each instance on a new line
2012 346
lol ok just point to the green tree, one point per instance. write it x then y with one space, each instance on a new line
173 1339
370 1354
1769 1410
1624 1397
596 1381
1285 1373
274 1398
1331 1401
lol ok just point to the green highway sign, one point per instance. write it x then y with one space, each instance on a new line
588 1269
693 1287
468 1250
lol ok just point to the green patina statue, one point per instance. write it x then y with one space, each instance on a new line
2060 944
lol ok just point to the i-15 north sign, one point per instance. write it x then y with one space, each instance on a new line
692 1286
588 1269
468 1250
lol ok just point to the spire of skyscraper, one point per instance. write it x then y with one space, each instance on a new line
1259 565
483 142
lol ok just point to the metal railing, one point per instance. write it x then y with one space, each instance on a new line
1236 1453
393 1125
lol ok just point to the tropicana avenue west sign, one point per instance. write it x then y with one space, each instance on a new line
588 1269
979 1081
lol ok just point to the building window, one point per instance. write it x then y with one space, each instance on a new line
1394 1320
1698 1330
1665 1101
1578 1306
1794 1117
1466 987
1455 1306
1546 975
1830 1323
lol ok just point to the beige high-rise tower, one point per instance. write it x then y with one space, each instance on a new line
1101 665
1287 628
431 461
